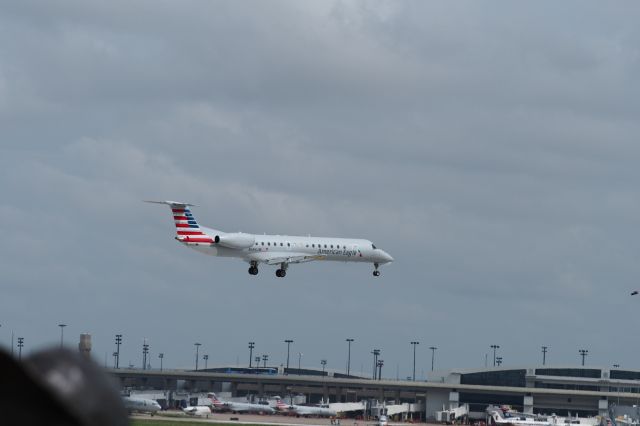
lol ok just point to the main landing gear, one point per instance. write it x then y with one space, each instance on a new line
253 269
376 273
282 272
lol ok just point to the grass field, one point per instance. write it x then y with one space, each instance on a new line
169 422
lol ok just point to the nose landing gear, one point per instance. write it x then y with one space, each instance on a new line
376 273
253 269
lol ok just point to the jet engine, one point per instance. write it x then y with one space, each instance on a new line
235 240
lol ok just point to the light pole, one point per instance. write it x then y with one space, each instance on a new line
161 356
288 342
324 363
257 360
145 352
494 347
299 361
544 355
349 356
115 357
62 326
414 344
118 342
583 354
197 345
206 359
375 353
499 361
433 355
251 346
380 364
20 345
265 357
616 365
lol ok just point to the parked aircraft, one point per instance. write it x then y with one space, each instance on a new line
197 410
305 410
499 416
141 405
281 250
239 407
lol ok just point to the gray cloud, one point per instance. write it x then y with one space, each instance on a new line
490 148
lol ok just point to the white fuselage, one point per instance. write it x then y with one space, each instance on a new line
302 410
197 410
305 410
245 407
498 418
239 407
267 247
141 405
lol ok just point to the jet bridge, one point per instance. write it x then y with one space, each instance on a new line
450 416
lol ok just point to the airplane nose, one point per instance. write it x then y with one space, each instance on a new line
386 258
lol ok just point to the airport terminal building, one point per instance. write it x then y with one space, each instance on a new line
560 390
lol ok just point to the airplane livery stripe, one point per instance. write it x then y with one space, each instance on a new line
180 218
190 233
198 240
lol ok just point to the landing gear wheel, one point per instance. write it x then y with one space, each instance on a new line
280 273
253 270
376 273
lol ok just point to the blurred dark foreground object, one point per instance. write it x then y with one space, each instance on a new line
58 387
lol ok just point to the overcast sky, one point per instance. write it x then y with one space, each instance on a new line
490 147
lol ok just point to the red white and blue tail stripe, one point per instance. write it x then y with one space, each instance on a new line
215 401
187 228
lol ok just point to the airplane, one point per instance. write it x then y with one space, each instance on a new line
197 410
305 410
239 407
279 250
141 405
505 417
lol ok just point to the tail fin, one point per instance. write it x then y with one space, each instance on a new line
214 400
280 405
187 228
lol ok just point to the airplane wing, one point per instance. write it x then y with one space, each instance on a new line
276 258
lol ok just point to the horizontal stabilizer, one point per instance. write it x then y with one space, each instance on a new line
171 203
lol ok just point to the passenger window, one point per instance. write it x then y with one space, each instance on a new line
331 245
268 244
325 246
313 246
262 243
280 244
288 245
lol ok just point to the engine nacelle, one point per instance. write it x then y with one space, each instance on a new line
236 240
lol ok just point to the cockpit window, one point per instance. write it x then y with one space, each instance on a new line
373 246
